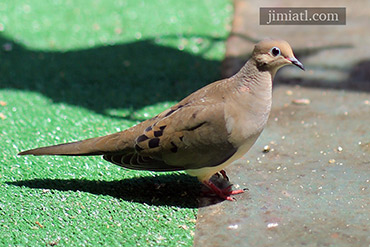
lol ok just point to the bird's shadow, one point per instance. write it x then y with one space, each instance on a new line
178 190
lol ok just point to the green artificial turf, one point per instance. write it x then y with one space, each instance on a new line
71 70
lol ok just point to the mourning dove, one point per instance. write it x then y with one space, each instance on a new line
201 134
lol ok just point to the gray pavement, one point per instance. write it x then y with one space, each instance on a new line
312 188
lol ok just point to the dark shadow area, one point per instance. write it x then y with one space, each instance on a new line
358 80
175 189
171 190
131 75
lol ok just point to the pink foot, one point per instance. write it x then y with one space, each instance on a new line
223 193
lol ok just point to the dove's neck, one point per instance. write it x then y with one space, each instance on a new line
250 105
254 80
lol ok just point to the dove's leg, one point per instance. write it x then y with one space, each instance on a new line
222 193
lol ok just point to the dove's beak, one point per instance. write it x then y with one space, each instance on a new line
297 63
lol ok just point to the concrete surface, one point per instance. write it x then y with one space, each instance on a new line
312 188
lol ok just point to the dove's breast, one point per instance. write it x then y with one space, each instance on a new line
246 117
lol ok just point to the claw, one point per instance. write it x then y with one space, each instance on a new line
223 173
223 193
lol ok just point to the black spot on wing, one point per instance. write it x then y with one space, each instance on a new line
148 129
153 143
158 133
142 138
162 127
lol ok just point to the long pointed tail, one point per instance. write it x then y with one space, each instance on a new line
94 146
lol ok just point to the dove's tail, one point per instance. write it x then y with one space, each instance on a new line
94 146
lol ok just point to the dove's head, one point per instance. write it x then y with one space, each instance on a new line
271 55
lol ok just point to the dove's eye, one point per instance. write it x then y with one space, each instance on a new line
275 51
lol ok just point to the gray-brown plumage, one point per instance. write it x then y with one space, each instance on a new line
202 133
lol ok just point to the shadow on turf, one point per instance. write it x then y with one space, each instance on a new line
121 76
126 76
170 189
